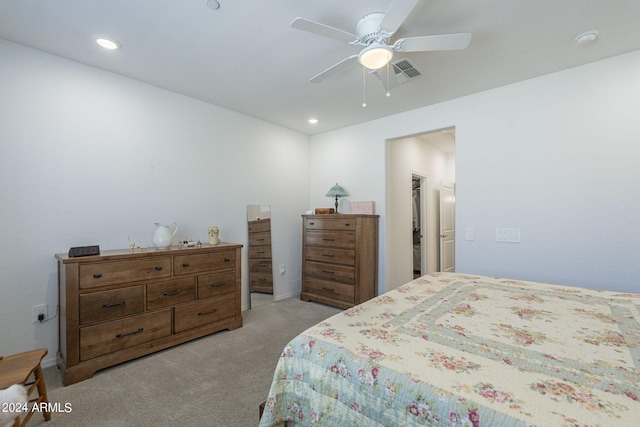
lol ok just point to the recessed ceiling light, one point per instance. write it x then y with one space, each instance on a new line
586 37
108 43
212 4
313 121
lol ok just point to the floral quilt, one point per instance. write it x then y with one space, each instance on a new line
457 350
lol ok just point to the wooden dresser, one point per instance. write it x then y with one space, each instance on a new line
260 268
339 259
120 305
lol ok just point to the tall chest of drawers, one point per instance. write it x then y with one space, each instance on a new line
339 258
120 305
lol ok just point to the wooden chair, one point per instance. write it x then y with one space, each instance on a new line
17 369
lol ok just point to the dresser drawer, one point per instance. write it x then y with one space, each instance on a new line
329 255
260 252
260 239
194 263
116 335
259 226
163 294
216 284
333 272
204 311
261 279
260 266
111 273
106 305
326 288
330 223
333 239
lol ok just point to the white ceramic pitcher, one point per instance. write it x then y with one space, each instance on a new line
163 238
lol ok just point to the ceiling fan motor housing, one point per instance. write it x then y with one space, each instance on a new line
368 29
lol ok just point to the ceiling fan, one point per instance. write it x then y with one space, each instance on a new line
374 31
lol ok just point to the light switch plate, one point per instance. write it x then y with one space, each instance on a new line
468 233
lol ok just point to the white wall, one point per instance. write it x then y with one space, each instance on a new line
556 156
90 157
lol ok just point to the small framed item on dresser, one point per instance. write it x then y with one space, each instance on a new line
79 251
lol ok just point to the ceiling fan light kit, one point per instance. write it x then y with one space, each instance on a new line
375 56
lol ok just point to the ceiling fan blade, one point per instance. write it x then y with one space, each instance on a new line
437 42
323 30
398 11
333 70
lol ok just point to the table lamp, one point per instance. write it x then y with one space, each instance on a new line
336 191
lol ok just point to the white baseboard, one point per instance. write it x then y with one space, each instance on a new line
289 295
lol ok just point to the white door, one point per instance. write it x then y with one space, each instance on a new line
447 226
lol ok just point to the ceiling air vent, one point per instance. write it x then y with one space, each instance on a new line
405 70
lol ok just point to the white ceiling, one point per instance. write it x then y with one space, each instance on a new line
246 57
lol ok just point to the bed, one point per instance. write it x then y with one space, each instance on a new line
457 350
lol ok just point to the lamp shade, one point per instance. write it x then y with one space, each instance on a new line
336 191
375 56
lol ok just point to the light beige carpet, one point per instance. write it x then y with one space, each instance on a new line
218 380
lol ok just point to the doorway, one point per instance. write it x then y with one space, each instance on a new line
426 160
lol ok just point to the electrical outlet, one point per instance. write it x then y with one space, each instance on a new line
39 310
283 269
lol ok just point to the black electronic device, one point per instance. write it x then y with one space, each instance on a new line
79 251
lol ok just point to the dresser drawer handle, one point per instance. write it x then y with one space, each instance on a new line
346 224
185 265
329 255
227 260
158 268
204 313
97 275
137 331
262 265
328 272
113 304
260 240
326 239
324 288
312 223
171 293
260 252
215 285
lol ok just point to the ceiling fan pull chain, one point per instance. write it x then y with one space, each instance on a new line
364 87
388 87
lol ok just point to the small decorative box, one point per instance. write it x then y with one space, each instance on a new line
320 211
